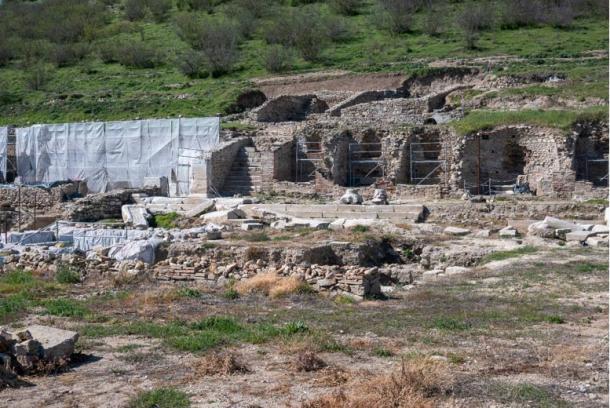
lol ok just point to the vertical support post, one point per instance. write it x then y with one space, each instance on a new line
19 208
35 204
489 191
478 164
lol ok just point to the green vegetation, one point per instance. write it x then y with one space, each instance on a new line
256 237
597 201
513 253
382 352
189 293
525 394
360 229
450 324
161 398
65 307
112 60
167 221
563 119
202 335
67 275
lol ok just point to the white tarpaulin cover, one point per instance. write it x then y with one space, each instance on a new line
110 155
87 239
3 152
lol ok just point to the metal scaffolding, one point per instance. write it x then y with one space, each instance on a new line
599 177
425 162
365 158
307 157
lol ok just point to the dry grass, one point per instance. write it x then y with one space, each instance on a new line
223 363
308 361
419 383
270 284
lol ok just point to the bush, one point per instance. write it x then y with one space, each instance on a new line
137 54
396 16
64 55
216 39
520 13
192 64
67 274
302 29
433 23
346 7
474 18
135 9
337 28
197 5
278 58
38 76
160 9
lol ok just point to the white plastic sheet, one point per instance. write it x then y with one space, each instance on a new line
3 152
86 239
109 155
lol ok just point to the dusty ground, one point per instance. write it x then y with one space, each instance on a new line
524 331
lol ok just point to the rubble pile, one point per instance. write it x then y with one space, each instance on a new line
35 349
554 228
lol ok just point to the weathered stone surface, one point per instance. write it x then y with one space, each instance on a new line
578 236
456 231
508 232
223 216
380 197
456 270
597 242
483 233
600 229
203 207
135 215
352 196
56 343
251 226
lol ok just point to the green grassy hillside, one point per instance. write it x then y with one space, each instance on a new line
114 68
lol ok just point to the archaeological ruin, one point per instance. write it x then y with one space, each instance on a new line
91 193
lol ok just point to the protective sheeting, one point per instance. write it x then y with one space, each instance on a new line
109 155
31 237
87 239
3 152
143 250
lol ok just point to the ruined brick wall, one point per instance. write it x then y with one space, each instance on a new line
100 206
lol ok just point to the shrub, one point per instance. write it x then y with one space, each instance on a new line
159 8
221 363
198 5
7 51
308 361
346 7
218 41
278 58
396 16
38 76
474 18
160 398
520 13
302 29
138 54
192 64
337 28
135 9
433 23
64 55
67 274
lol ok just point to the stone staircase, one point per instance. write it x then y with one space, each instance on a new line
246 174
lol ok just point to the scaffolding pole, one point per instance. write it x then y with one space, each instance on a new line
367 156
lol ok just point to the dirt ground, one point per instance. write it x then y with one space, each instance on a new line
525 331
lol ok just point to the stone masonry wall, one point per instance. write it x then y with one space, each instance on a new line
218 165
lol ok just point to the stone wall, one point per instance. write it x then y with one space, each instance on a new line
283 161
211 177
100 206
338 268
